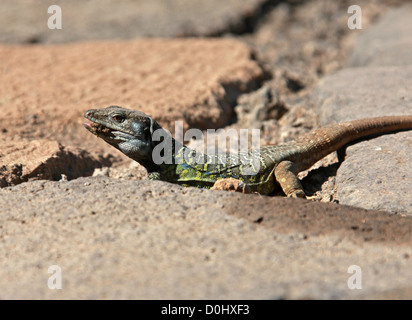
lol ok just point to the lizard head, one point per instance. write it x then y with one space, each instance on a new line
128 130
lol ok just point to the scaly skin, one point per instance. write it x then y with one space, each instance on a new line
131 132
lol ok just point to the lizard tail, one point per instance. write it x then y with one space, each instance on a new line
321 142
380 125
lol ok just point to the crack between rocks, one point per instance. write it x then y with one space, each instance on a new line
247 25
251 20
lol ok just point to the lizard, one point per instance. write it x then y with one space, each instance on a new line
133 133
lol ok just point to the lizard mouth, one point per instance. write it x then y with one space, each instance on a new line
98 129
108 134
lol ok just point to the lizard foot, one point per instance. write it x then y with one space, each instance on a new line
297 194
231 184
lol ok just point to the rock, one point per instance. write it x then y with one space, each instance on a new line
255 107
117 239
388 43
108 19
355 93
299 53
134 171
376 173
21 161
195 80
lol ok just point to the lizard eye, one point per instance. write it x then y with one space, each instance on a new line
118 118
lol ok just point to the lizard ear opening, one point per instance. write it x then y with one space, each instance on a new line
152 126
148 129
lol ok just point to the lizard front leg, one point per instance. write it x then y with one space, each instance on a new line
286 176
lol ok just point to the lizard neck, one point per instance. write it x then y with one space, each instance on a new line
166 156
